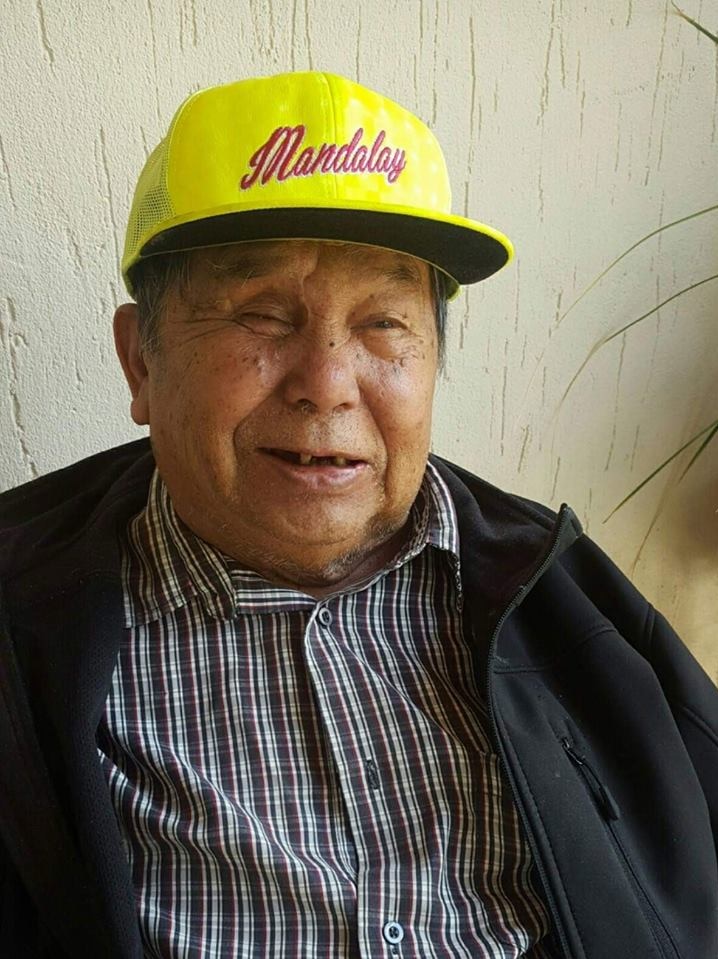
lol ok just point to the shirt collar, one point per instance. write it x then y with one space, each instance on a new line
167 566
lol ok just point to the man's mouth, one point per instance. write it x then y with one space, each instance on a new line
311 459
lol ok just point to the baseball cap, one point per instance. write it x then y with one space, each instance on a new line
306 155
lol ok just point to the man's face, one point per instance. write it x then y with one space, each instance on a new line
289 402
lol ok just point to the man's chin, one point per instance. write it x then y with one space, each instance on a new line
314 530
307 559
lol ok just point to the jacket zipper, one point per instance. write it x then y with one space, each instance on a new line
604 800
517 599
609 809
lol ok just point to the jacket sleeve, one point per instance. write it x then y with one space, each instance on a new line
694 702
690 693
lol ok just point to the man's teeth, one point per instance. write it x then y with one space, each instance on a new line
306 459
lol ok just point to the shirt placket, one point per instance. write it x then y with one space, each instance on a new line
340 687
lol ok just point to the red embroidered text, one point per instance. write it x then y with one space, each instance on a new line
283 156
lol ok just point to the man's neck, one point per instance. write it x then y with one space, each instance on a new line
322 583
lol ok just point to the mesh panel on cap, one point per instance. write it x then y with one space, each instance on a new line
155 204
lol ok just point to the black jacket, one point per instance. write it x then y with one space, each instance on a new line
606 725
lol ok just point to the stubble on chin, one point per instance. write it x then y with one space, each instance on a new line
299 569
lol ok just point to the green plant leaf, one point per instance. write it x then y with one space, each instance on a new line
700 449
686 289
660 229
712 429
695 23
607 339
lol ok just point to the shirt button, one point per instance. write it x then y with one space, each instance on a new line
324 616
393 932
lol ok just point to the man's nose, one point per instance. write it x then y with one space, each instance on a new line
323 376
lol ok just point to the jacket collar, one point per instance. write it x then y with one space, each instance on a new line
505 539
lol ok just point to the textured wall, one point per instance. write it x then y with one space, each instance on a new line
576 128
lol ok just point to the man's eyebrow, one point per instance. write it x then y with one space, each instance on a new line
404 273
401 271
247 266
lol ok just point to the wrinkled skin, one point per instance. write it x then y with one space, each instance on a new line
277 349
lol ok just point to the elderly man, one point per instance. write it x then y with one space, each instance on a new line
285 685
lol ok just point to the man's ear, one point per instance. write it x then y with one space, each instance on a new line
127 344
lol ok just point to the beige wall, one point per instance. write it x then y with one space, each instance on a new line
574 127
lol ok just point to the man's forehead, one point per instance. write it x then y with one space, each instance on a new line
245 261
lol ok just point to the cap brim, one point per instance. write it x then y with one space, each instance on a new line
465 250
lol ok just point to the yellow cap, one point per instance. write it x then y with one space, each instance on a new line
304 156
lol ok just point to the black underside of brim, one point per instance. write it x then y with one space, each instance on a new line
466 255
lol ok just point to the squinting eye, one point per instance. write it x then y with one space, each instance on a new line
264 323
385 323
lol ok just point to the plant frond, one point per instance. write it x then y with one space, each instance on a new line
648 236
700 449
655 309
612 336
695 23
711 427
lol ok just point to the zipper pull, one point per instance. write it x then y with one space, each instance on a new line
605 801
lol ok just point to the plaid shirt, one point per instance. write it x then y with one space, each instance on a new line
310 778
